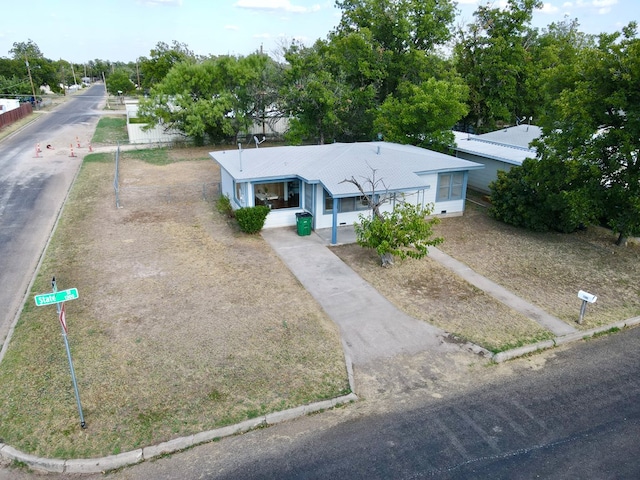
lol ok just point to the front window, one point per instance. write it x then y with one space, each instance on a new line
239 193
275 195
450 186
345 204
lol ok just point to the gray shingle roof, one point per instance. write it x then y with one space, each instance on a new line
399 166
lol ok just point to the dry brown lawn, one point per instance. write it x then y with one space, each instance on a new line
547 269
183 323
427 291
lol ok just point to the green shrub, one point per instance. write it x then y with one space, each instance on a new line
251 219
223 205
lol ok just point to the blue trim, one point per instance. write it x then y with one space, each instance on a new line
334 223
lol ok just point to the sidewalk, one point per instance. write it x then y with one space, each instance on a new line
555 325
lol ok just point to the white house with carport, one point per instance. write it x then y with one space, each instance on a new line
296 179
498 150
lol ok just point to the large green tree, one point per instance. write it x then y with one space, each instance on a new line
381 57
596 121
548 193
212 100
493 55
161 60
423 114
330 89
403 31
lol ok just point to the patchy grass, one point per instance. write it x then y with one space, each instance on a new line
182 325
111 130
548 269
427 291
99 158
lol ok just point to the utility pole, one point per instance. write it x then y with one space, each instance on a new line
33 90
105 87
138 74
75 82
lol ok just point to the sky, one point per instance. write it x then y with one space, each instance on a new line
124 30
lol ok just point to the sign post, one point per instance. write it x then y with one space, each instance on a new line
59 298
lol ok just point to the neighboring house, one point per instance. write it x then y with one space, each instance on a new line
8 104
137 133
310 179
499 150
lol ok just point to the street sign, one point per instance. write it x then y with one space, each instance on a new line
56 297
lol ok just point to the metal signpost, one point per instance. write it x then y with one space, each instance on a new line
59 298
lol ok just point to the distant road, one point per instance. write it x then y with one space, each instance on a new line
32 190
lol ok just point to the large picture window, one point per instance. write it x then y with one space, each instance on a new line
275 195
450 186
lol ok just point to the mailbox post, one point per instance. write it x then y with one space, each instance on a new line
586 298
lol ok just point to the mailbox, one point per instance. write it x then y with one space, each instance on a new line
587 297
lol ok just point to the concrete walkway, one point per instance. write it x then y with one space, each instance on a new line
371 327
554 324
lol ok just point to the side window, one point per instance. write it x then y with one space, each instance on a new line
450 186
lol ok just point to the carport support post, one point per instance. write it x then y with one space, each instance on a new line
73 372
334 224
583 308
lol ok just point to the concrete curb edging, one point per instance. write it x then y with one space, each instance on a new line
561 340
113 462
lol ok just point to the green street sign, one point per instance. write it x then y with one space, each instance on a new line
56 297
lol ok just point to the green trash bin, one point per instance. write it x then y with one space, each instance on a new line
303 222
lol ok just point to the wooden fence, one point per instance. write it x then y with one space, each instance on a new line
16 114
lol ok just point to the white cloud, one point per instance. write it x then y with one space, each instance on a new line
275 6
231 27
170 3
548 8
604 3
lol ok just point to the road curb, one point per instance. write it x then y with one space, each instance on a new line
112 462
562 340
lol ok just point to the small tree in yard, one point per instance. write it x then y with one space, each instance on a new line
404 232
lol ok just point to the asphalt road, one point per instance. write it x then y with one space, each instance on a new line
573 413
32 190
570 413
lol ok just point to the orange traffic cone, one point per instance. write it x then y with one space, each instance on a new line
72 154
38 150
78 142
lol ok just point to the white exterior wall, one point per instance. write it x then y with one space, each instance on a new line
8 104
287 217
271 127
154 135
480 179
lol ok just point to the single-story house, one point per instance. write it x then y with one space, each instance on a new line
499 150
296 179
